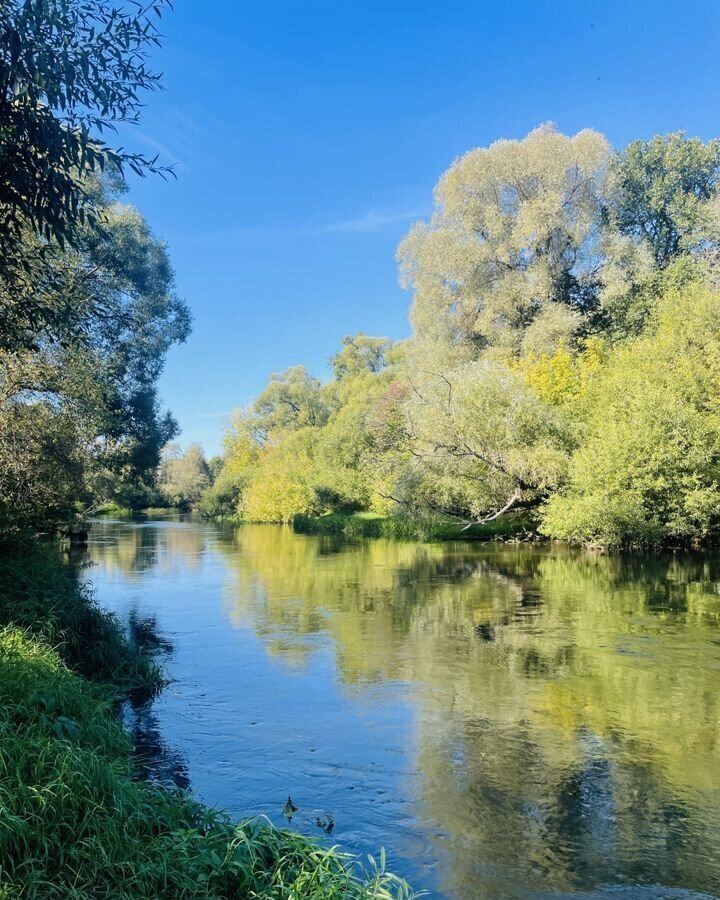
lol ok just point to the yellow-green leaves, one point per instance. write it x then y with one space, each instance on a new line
511 246
649 466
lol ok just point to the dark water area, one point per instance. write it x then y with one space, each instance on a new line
507 721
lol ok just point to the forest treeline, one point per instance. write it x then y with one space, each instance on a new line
562 364
564 359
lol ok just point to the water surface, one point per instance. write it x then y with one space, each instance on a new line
507 721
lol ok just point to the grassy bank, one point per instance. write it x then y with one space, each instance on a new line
400 528
73 822
113 511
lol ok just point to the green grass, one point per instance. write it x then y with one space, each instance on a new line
402 528
113 511
73 822
38 595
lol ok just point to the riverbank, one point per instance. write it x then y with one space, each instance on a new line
511 527
73 821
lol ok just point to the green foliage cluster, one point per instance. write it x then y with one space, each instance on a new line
304 448
69 72
73 821
88 307
563 361
183 477
400 527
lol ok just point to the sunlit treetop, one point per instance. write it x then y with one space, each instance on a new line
512 247
661 193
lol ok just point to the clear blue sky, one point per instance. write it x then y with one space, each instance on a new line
307 136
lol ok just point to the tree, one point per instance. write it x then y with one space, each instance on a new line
478 443
360 353
282 484
42 470
648 468
349 448
510 258
69 71
662 191
183 477
292 400
239 461
89 367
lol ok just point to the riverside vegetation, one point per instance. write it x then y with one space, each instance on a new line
88 310
562 373
73 821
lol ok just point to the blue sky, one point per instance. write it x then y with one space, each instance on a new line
308 136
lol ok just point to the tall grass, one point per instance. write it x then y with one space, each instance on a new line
73 822
38 594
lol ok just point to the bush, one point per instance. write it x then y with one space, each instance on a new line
648 467
366 525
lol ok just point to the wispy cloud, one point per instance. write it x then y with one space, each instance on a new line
373 221
167 155
180 137
370 222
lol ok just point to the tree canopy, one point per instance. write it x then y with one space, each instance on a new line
562 360
70 70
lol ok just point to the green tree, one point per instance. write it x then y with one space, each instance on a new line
478 442
359 354
293 399
236 468
282 484
648 466
90 371
510 257
70 70
662 191
183 476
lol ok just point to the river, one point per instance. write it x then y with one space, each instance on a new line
506 721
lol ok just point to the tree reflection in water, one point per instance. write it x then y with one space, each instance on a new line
566 706
569 704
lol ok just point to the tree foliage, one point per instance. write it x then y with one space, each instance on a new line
648 467
184 476
292 400
662 192
70 70
510 256
563 356
80 354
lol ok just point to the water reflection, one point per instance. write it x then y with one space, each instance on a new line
565 706
154 760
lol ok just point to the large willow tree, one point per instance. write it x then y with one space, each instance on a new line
510 258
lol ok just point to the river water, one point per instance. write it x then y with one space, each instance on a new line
506 721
